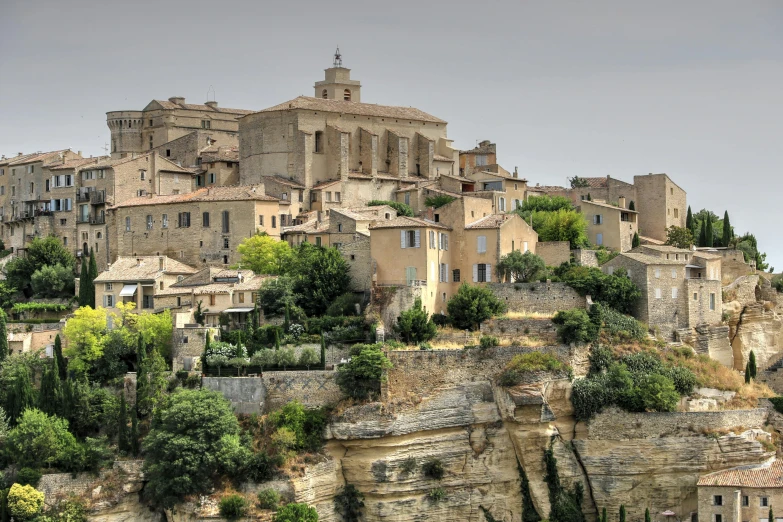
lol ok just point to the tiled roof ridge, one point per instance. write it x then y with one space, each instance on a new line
358 108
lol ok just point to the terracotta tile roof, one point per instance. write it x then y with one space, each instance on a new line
607 205
36 157
491 221
766 475
438 157
647 259
76 163
324 184
306 227
221 154
231 193
287 182
130 269
360 109
407 222
203 282
166 104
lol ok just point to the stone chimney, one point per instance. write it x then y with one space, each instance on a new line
621 201
138 261
212 104
161 265
516 172
179 100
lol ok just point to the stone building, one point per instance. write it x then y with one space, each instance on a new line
742 494
200 228
678 289
342 151
163 121
478 158
138 280
609 225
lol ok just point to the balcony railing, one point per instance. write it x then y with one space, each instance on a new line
98 220
401 282
82 219
98 197
83 197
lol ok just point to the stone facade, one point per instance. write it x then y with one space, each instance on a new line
661 203
554 253
609 225
541 328
543 298
585 257
187 346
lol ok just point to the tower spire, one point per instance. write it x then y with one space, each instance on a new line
338 58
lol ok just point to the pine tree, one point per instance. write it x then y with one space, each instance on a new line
134 434
727 235
709 234
689 220
635 241
62 364
84 292
752 364
3 337
603 515
631 205
93 273
323 350
50 396
20 397
122 426
747 373
703 234
622 512
647 515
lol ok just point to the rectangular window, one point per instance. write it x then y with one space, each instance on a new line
482 273
261 220
206 124
657 273
241 297
337 197
717 500
481 160
745 501
718 517
127 224
183 219
674 273
146 301
482 244
205 219
502 204
143 174
318 241
455 275
763 501
657 293
225 221
432 239
212 299
212 177
108 301
319 141
599 239
712 301
225 243
328 197
274 221
301 195
674 292
149 222
410 238
165 220
109 287
444 273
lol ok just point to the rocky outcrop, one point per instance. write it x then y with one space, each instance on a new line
758 328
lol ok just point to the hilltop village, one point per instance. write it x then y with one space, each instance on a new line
324 310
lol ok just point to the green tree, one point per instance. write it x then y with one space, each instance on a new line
516 266
401 208
614 290
545 204
156 330
577 182
50 395
689 219
151 382
472 305
123 437
24 502
771 515
62 364
631 206
296 513
52 281
48 251
134 434
275 294
85 332
320 276
622 512
21 394
308 357
91 275
199 314
709 235
575 326
361 377
647 515
84 292
192 441
679 237
635 242
3 337
727 231
752 364
264 255
323 349
749 247
657 393
438 201
415 325
603 514
703 234
349 502
589 197
562 225
40 440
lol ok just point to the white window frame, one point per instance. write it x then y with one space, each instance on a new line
675 292
658 293
481 244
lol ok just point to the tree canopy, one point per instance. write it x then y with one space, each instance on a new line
401 208
415 325
264 255
679 237
472 305
516 266
41 252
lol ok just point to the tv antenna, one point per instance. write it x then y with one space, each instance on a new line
211 90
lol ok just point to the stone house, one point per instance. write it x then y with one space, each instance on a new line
200 228
163 121
742 494
139 280
217 166
478 158
315 230
610 225
340 148
506 190
677 291
291 196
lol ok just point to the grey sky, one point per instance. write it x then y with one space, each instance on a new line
692 89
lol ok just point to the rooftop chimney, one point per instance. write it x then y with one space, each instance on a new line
621 201
179 100
138 261
516 172
160 263
212 104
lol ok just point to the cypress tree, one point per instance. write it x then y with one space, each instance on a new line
635 241
771 517
703 235
589 198
689 220
277 339
134 434
709 235
140 353
84 292
287 321
323 350
50 396
603 515
93 273
62 364
254 319
727 235
647 515
622 512
631 205
207 344
747 373
3 337
21 396
122 426
752 364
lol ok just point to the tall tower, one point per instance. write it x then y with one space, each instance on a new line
337 84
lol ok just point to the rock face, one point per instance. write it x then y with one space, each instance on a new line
758 328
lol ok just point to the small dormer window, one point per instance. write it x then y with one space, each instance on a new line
347 95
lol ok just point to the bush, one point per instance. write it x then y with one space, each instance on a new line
233 506
657 393
307 426
519 267
401 208
621 325
436 494
24 502
53 281
600 359
575 326
616 290
296 513
433 469
260 467
589 396
509 378
777 402
309 357
40 440
536 362
268 499
361 377
472 305
349 503
440 319
344 305
415 325
487 341
28 477
408 465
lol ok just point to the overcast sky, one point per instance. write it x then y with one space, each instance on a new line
693 89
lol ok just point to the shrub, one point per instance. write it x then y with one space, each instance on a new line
536 362
28 477
438 201
401 208
408 465
307 426
472 305
309 357
616 290
433 469
361 377
440 319
589 396
777 283
777 402
233 506
517 266
487 341
24 502
600 359
621 325
268 499
575 326
415 325
260 467
296 513
509 378
40 440
344 305
436 494
349 503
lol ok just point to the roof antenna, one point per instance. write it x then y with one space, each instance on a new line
212 90
338 58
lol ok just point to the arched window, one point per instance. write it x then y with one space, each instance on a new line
98 235
323 94
347 95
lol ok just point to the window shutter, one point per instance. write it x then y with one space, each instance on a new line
417 239
446 275
446 241
475 273
482 244
489 273
402 239
432 239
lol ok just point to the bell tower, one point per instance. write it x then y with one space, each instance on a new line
337 83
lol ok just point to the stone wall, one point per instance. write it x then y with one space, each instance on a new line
391 300
187 342
585 257
543 298
246 394
742 290
616 424
543 328
57 486
357 255
554 253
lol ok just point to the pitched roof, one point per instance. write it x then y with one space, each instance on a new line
308 227
491 221
142 268
35 157
647 259
167 104
76 163
324 184
438 157
607 205
230 193
360 109
407 222
766 475
706 255
287 182
220 154
666 249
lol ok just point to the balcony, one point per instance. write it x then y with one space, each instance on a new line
82 219
82 197
401 282
98 197
98 220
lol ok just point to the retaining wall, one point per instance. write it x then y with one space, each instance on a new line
543 298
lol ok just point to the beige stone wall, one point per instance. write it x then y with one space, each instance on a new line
705 302
616 234
188 342
554 253
543 298
732 509
313 389
357 255
661 203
